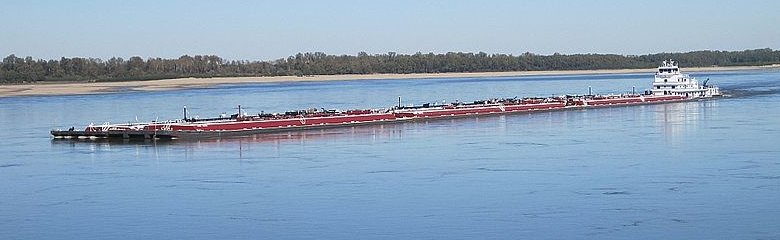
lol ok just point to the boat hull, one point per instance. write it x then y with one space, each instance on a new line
235 128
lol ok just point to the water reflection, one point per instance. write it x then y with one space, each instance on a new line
239 146
366 131
677 118
274 143
673 121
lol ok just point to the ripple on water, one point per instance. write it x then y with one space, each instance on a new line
11 165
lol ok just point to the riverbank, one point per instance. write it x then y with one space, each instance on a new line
56 88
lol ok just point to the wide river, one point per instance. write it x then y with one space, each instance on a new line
693 170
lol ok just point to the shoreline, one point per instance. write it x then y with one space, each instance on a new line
79 88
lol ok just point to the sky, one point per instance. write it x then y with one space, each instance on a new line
268 30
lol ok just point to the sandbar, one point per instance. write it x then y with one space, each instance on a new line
74 88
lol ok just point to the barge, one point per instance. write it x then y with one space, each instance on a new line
669 85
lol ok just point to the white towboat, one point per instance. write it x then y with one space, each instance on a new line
669 81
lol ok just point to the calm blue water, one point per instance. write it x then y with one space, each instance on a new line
695 170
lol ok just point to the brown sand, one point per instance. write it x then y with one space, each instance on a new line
38 89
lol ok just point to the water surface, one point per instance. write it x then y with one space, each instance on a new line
694 170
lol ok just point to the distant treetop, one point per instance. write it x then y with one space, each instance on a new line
24 70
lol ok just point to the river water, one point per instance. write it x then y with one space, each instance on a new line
693 170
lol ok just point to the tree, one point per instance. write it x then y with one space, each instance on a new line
16 70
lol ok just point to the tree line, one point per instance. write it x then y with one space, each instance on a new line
26 70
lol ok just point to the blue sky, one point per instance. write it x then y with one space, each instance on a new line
266 30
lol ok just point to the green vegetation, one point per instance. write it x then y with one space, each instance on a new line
25 70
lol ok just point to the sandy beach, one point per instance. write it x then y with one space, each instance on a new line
44 89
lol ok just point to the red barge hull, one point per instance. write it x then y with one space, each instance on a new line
238 125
